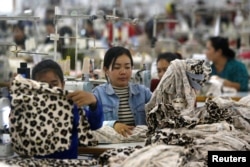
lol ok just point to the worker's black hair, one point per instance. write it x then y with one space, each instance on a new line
222 43
45 66
113 53
168 56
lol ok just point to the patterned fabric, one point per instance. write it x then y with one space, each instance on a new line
175 87
41 119
175 93
33 162
184 146
169 138
116 155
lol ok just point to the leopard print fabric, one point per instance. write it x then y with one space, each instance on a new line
165 116
216 114
172 138
41 119
121 153
33 162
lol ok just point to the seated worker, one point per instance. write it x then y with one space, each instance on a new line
162 62
19 36
90 31
50 72
123 102
50 29
224 64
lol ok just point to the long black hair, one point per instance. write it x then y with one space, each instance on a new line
168 56
222 43
113 53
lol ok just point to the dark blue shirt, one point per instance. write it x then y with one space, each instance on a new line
234 71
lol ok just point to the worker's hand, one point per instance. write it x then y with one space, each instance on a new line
123 129
81 98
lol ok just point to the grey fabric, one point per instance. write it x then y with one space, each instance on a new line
194 80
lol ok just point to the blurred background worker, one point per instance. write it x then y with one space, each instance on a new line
19 34
232 72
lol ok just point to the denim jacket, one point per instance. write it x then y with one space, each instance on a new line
139 95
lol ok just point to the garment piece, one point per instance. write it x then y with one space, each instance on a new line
234 71
41 119
153 155
33 162
139 95
121 153
169 138
107 134
72 152
175 92
175 83
183 138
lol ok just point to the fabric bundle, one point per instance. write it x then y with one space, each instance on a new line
33 162
107 134
179 83
180 135
41 119
176 91
186 146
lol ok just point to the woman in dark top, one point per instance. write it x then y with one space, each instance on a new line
224 64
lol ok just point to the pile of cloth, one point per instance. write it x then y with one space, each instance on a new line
107 134
180 135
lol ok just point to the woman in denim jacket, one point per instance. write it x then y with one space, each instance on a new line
123 102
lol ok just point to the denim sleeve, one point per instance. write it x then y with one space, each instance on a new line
95 117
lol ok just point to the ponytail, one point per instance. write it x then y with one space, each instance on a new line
222 43
229 53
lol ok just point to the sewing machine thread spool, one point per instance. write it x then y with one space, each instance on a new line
67 65
85 68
